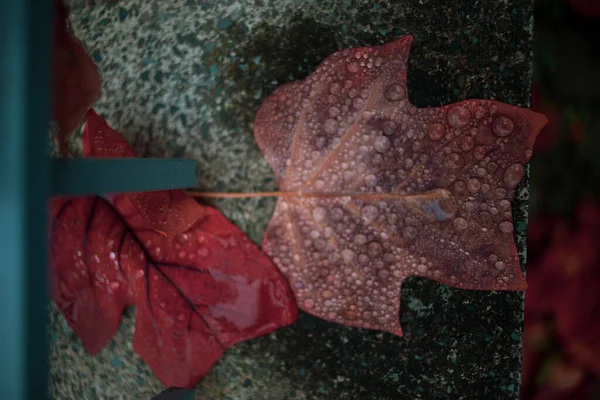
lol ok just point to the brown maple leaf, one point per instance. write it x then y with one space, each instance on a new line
377 190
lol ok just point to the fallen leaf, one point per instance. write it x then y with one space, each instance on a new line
75 79
379 190
195 294
168 212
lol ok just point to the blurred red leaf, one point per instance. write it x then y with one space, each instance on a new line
167 212
588 8
76 82
196 293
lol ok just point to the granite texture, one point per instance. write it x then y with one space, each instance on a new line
184 79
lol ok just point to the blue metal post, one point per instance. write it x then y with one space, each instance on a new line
25 42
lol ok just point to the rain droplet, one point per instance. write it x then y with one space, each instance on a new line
421 268
352 67
473 185
395 92
114 285
348 255
467 143
374 248
458 116
513 175
506 227
181 317
383 273
360 239
319 214
479 153
500 265
454 162
371 180
334 112
389 127
330 126
436 131
309 303
112 255
369 212
382 144
409 232
503 126
460 224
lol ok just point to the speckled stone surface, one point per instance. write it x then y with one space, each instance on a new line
184 78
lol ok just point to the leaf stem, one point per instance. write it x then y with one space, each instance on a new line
355 195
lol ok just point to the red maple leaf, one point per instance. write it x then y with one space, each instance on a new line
168 212
195 294
376 190
75 79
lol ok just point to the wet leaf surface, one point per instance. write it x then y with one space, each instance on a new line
378 190
196 293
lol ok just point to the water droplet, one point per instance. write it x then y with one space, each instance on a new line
337 214
383 273
505 204
326 294
421 268
467 143
352 67
436 131
458 116
473 185
139 274
409 232
503 126
479 153
358 103
309 303
369 212
112 255
181 317
360 239
481 172
374 248
348 255
395 92
335 88
460 224
454 162
162 304
371 181
334 112
378 61
513 175
382 144
202 251
330 126
114 285
460 188
506 227
389 127
319 214
320 142
500 265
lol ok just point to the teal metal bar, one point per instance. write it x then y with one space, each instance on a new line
85 176
25 42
